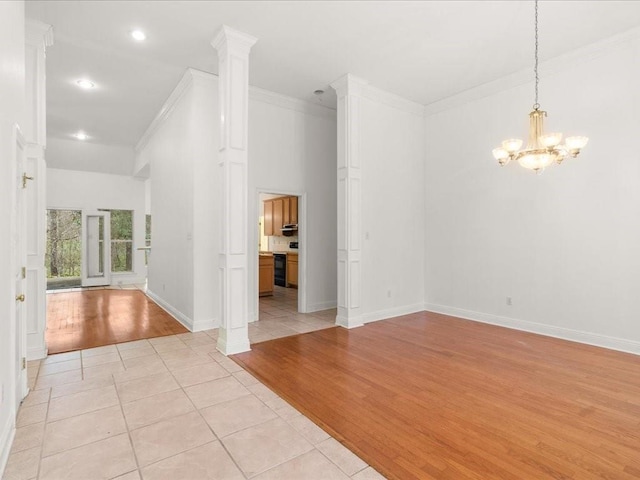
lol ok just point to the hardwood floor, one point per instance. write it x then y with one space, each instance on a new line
426 396
93 318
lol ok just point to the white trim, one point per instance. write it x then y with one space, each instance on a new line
206 324
392 100
320 306
166 110
177 314
392 312
547 67
349 323
291 103
192 75
589 338
7 435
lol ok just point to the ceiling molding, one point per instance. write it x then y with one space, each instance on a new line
291 103
192 76
38 33
547 67
392 100
169 105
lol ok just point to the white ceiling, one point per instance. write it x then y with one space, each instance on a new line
422 50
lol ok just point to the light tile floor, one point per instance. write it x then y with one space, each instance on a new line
173 408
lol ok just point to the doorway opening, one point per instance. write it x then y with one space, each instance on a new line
281 292
63 257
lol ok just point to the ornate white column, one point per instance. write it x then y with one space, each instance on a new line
350 91
38 36
233 70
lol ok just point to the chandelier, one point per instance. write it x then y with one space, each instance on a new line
542 148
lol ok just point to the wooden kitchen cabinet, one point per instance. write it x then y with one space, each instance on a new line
279 212
265 275
292 270
268 218
293 210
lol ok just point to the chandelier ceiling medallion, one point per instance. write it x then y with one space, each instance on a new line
542 149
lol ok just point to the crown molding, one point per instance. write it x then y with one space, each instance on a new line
291 103
168 107
392 100
351 85
548 67
193 76
38 33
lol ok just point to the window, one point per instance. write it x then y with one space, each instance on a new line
147 238
121 241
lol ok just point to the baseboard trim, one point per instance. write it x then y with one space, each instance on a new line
206 324
175 313
318 307
7 435
392 312
588 338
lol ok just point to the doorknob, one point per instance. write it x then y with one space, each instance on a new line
24 179
20 298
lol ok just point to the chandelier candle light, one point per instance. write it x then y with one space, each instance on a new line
542 149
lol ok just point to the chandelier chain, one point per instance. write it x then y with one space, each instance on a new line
536 105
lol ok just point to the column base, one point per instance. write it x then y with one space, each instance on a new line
349 322
230 343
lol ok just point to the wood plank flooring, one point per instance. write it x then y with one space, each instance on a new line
93 318
426 396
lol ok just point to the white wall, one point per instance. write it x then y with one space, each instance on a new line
565 246
392 156
12 104
89 156
292 150
74 190
179 150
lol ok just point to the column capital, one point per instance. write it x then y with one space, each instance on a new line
349 85
230 37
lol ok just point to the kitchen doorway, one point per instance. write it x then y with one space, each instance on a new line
278 254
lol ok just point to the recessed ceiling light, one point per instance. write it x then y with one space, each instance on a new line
138 35
318 92
84 83
81 135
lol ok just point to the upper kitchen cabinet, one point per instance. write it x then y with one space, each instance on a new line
293 210
279 212
268 218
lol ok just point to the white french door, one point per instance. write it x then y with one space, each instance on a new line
96 248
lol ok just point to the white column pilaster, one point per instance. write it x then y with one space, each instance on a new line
38 36
349 90
233 70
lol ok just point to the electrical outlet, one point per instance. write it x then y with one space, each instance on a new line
509 302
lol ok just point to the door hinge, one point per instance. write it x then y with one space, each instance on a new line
24 272
24 363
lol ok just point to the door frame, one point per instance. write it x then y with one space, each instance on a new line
105 278
20 263
302 252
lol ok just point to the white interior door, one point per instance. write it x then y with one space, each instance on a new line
96 248
20 262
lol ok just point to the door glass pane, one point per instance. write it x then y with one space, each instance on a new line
95 242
